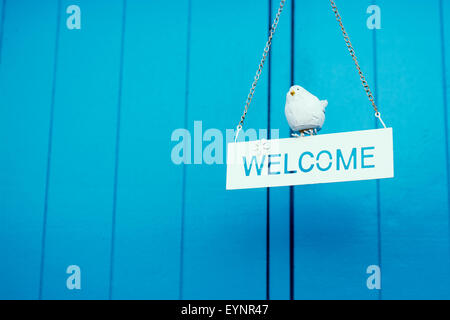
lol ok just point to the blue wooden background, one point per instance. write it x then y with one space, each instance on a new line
86 178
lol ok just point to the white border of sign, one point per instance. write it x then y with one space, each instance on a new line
338 157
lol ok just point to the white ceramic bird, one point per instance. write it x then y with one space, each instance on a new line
305 113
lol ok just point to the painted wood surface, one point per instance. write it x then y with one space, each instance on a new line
87 118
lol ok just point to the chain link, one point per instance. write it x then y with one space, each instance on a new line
353 54
261 64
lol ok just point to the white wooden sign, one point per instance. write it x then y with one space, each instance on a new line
349 156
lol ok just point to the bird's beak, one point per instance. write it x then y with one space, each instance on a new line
292 93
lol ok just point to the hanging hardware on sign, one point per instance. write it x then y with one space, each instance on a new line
359 155
260 67
353 54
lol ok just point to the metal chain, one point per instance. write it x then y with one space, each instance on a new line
353 54
267 49
261 65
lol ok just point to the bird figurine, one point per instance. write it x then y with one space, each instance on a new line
305 113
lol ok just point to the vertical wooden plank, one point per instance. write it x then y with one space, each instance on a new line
2 22
26 77
445 33
80 193
224 231
280 62
335 224
149 195
444 8
414 205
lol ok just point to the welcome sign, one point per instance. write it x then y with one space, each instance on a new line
349 156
